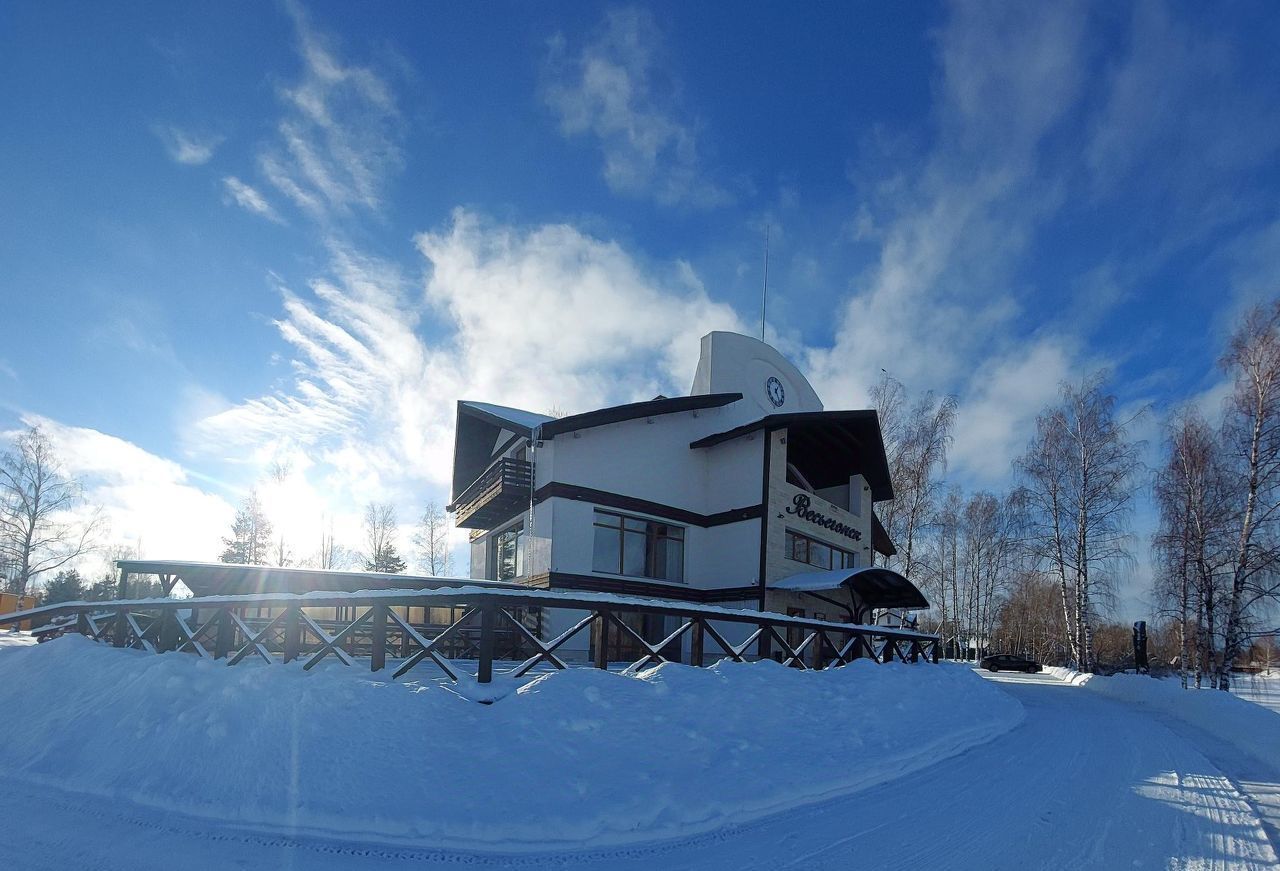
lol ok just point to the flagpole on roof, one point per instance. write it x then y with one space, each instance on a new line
764 290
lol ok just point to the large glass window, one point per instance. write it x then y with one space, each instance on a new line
638 547
508 553
803 549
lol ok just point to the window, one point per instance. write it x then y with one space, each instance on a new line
508 553
803 549
641 548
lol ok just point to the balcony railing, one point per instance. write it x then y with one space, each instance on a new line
501 491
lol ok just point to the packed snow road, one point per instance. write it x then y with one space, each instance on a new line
1084 782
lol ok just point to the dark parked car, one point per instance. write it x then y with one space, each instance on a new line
1010 662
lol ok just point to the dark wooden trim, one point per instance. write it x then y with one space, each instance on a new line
764 515
506 446
633 411
729 594
557 490
633 587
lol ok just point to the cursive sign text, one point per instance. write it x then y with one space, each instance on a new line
800 508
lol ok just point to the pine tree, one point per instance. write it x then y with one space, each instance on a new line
250 541
66 586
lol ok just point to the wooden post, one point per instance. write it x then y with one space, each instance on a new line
167 637
121 629
225 635
123 590
602 640
488 619
915 650
292 633
378 653
935 645
765 645
82 623
696 642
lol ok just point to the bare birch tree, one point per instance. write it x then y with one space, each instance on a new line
1079 471
380 530
917 437
44 521
1251 435
331 555
431 539
1192 544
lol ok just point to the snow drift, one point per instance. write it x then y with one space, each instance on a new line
581 757
1245 725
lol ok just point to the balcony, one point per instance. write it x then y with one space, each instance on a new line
501 491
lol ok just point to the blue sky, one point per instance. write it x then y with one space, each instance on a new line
240 236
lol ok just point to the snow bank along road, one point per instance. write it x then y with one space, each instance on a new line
1085 781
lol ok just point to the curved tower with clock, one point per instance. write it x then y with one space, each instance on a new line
734 363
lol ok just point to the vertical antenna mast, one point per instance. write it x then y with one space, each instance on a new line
764 290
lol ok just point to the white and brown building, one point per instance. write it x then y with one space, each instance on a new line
745 493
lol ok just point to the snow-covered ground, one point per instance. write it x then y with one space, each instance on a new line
738 767
1261 689
580 757
1242 719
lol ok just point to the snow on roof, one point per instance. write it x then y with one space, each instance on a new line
524 419
828 580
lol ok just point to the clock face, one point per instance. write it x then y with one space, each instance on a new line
777 395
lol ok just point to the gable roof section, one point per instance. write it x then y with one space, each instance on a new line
476 433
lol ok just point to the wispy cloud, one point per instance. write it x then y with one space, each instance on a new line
940 308
250 199
614 89
535 317
340 135
187 148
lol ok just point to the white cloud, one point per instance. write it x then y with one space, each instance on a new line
534 317
250 199
613 90
340 136
996 418
953 228
149 501
187 148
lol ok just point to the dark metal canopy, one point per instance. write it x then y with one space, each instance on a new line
875 586
828 446
229 579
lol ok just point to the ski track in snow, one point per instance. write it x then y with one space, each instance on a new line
1084 782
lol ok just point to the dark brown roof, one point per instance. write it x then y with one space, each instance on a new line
633 411
880 539
835 445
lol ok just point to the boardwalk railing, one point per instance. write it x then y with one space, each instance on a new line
474 624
